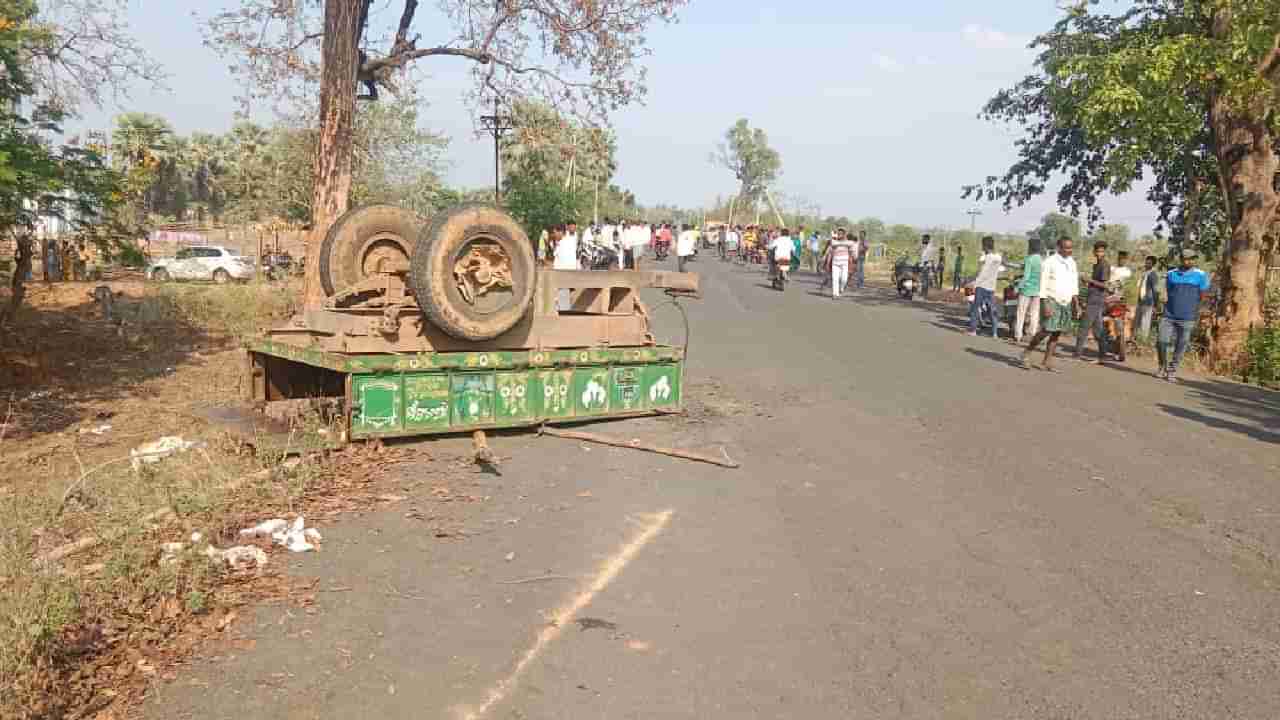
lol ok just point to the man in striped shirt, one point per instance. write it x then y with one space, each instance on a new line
841 253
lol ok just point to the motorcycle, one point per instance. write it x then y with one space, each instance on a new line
906 278
1114 319
598 257
778 276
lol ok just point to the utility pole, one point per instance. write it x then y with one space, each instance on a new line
497 124
973 214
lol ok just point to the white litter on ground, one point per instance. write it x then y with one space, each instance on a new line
240 557
266 528
157 450
297 537
170 551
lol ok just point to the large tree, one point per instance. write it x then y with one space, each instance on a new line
1185 90
37 178
574 54
746 153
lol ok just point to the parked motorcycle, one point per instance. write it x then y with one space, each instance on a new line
598 257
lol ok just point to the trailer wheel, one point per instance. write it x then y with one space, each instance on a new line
473 272
365 241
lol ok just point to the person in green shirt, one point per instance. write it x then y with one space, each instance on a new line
1029 291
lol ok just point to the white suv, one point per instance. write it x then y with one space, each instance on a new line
213 262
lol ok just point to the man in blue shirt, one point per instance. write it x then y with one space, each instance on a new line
1185 288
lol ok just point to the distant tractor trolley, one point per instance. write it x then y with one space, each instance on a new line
448 326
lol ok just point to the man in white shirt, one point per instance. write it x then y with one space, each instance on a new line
566 258
780 249
928 258
684 246
1059 288
984 287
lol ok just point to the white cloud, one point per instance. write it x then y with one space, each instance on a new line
925 61
886 63
985 38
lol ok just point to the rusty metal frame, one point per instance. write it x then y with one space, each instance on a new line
605 310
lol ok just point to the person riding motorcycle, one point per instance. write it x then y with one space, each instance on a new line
928 258
780 249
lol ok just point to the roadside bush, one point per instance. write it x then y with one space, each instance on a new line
1263 349
131 256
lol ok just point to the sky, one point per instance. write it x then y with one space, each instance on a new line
873 106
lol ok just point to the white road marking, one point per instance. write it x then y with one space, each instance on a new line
653 525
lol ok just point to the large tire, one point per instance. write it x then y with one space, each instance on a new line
450 236
363 237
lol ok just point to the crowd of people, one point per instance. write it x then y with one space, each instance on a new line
1052 288
1050 295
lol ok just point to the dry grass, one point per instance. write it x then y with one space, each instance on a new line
64 625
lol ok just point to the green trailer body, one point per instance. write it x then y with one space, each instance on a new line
393 395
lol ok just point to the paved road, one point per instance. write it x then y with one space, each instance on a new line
920 530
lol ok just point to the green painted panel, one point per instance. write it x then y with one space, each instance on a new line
662 386
377 403
426 398
513 401
591 391
553 389
472 399
627 389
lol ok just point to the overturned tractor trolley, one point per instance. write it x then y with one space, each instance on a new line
448 325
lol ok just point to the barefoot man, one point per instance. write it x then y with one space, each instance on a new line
1059 287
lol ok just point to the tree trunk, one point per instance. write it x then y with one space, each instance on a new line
340 60
17 285
1248 164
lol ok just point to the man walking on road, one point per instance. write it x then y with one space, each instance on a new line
1185 288
1059 287
1029 292
1096 303
840 254
955 276
685 245
1148 293
984 287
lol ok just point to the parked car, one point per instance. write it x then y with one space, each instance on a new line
202 263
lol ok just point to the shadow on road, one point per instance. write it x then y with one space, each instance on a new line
1255 412
1252 431
995 357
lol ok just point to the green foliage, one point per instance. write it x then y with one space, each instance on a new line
1119 97
1054 226
546 144
746 153
37 178
1263 348
539 203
